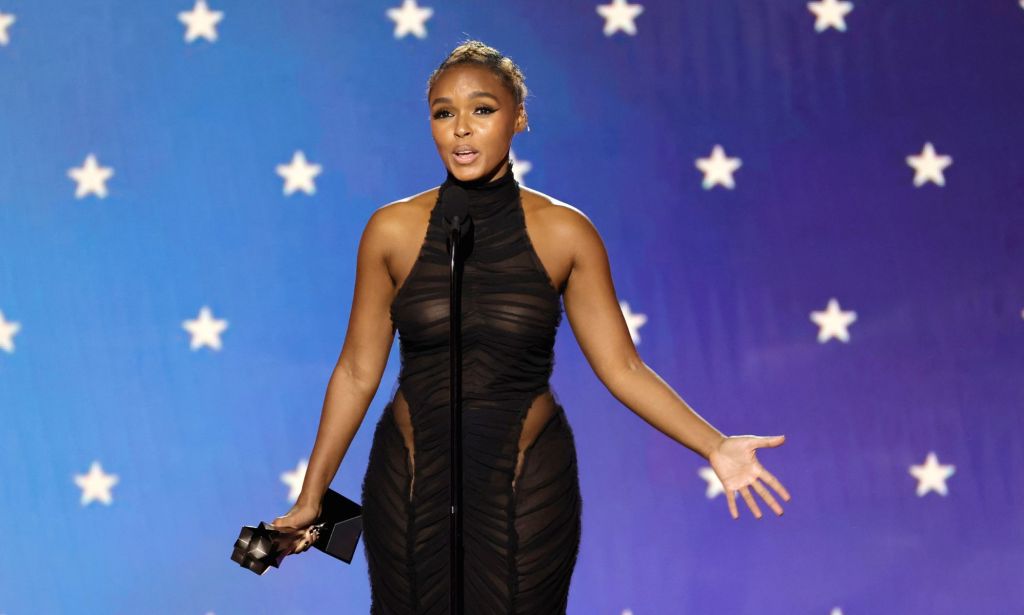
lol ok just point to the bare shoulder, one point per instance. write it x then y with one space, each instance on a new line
561 222
398 221
396 230
407 209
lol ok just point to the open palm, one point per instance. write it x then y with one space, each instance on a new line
735 463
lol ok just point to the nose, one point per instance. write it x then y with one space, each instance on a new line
461 126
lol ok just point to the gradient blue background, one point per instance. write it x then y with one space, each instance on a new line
824 206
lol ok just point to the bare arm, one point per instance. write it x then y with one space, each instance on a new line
360 366
593 311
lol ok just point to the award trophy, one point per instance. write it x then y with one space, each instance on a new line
337 529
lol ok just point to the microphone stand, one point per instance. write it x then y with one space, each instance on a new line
455 386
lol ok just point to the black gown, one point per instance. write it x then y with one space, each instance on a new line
521 498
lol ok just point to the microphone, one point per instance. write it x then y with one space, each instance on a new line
455 217
458 226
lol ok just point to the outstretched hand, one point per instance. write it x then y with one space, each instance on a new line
737 468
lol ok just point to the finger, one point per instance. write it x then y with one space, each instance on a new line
773 441
749 499
730 496
767 477
767 496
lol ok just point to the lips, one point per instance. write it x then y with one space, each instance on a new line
465 155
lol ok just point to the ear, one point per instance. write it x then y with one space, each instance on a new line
521 119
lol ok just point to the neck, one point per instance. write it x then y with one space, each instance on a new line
488 200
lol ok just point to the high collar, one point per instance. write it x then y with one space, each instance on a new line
487 198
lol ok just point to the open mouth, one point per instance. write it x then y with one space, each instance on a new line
465 157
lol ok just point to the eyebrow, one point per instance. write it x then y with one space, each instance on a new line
477 94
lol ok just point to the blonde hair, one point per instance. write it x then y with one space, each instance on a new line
476 52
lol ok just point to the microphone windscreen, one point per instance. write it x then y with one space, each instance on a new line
454 202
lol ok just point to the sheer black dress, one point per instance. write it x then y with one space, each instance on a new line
521 499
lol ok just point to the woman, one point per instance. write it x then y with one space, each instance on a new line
521 491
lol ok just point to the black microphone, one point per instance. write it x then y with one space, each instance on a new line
456 218
458 226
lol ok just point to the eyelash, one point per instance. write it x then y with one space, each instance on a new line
437 115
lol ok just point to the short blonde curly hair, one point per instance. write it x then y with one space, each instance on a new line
476 52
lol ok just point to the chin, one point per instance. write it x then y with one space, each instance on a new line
481 169
460 172
468 174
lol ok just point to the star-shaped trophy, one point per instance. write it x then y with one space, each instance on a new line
337 531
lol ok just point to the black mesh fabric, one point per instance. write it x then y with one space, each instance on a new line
521 499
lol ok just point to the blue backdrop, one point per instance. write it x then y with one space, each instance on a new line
814 214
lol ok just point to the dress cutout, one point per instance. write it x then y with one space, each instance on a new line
521 499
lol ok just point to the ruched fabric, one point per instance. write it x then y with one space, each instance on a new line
521 498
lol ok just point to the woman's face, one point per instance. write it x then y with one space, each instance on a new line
472 110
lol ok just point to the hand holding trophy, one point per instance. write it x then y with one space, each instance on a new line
298 528
333 527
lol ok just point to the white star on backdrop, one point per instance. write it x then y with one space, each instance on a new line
205 329
294 480
833 322
633 321
7 331
619 15
6 19
91 177
837 610
830 13
718 169
201 21
928 167
299 174
96 484
931 476
715 486
410 18
519 167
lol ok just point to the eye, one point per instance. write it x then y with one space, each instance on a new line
440 113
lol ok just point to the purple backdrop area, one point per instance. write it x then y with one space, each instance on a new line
870 154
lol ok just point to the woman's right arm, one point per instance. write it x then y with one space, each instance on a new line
363 358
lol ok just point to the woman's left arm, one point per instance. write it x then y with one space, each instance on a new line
593 311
